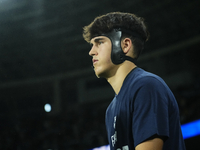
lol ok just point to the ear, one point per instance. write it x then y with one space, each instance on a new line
126 45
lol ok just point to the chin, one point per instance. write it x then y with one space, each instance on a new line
98 75
101 74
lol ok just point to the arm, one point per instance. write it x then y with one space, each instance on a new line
154 143
150 116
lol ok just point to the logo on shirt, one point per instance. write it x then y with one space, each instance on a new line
114 136
115 119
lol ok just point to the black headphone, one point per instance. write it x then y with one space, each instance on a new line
117 54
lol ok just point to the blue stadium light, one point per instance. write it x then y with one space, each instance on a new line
105 147
191 129
47 107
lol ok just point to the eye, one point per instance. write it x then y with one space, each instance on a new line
100 42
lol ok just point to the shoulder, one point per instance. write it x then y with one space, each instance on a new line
148 86
141 83
141 77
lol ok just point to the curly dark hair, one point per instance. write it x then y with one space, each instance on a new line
105 23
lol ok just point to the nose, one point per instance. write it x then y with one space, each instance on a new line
93 51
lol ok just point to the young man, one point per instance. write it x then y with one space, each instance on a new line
144 114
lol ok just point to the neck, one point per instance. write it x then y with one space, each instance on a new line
117 79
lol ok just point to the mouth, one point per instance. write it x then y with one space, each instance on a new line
94 61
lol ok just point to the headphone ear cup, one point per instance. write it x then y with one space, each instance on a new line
121 57
117 54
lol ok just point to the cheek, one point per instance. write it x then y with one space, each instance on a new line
107 55
108 59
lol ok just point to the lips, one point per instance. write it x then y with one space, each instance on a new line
94 61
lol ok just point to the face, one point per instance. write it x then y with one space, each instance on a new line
101 56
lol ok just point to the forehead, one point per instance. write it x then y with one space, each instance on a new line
98 38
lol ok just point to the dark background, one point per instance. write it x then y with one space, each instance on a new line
44 59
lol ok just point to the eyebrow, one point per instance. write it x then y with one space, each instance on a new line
97 40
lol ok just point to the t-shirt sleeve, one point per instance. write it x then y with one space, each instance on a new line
150 114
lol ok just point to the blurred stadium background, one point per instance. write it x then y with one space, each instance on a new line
44 60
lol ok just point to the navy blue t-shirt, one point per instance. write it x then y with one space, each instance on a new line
145 106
